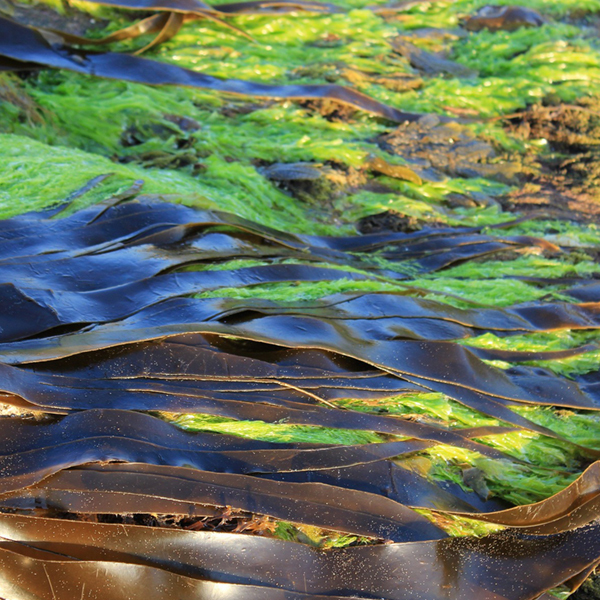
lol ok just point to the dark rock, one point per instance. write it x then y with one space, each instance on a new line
506 18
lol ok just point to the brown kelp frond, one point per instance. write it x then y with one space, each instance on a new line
173 15
68 554
101 325
151 24
276 7
18 43
84 266
167 24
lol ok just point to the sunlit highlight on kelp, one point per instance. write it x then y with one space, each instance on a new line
254 361
290 342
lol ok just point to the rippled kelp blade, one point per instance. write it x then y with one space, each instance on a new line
407 341
136 338
393 571
22 44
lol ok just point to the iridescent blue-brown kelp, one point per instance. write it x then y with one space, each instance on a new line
100 322
119 322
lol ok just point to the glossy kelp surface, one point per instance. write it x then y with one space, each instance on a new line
30 48
101 325
390 571
402 337
273 352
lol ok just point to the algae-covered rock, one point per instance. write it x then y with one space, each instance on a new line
448 149
428 63
568 178
388 221
312 183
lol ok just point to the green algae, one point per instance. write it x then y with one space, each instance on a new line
562 233
582 427
289 50
516 483
35 175
298 34
424 201
524 266
292 292
316 537
548 341
498 292
430 407
274 432
526 446
457 526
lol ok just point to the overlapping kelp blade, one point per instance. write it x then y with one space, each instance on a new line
473 567
570 508
276 6
438 366
146 488
236 405
344 510
165 23
88 489
112 327
81 430
28 46
33 452
118 582
404 341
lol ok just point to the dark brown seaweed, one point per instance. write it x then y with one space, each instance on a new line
88 338
28 46
473 568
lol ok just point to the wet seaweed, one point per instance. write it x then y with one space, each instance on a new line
29 46
254 359
145 306
210 558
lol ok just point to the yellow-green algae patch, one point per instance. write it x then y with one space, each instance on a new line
36 175
275 432
548 341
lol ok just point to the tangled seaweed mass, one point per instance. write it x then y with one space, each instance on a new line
119 333
101 323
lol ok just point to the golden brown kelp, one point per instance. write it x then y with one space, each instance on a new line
65 551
